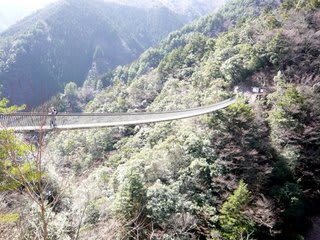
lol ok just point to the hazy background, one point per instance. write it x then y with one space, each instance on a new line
12 11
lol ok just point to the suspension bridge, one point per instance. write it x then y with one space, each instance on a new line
31 121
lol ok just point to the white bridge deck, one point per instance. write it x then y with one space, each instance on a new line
25 122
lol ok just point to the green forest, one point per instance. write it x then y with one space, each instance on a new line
63 42
250 171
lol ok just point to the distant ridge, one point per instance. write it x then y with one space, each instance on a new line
68 39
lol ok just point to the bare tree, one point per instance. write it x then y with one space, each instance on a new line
24 168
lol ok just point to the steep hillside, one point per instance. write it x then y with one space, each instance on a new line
209 26
62 42
248 172
190 8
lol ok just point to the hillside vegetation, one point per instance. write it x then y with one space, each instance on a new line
75 40
191 8
250 171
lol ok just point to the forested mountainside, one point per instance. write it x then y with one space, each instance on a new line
250 171
72 40
191 8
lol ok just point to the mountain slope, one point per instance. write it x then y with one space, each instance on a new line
191 8
175 180
249 171
61 43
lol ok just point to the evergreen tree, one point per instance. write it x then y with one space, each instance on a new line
233 222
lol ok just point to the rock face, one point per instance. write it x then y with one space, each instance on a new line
66 40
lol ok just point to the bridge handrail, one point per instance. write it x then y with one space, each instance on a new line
36 114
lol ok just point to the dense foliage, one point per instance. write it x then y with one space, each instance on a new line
246 172
75 40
